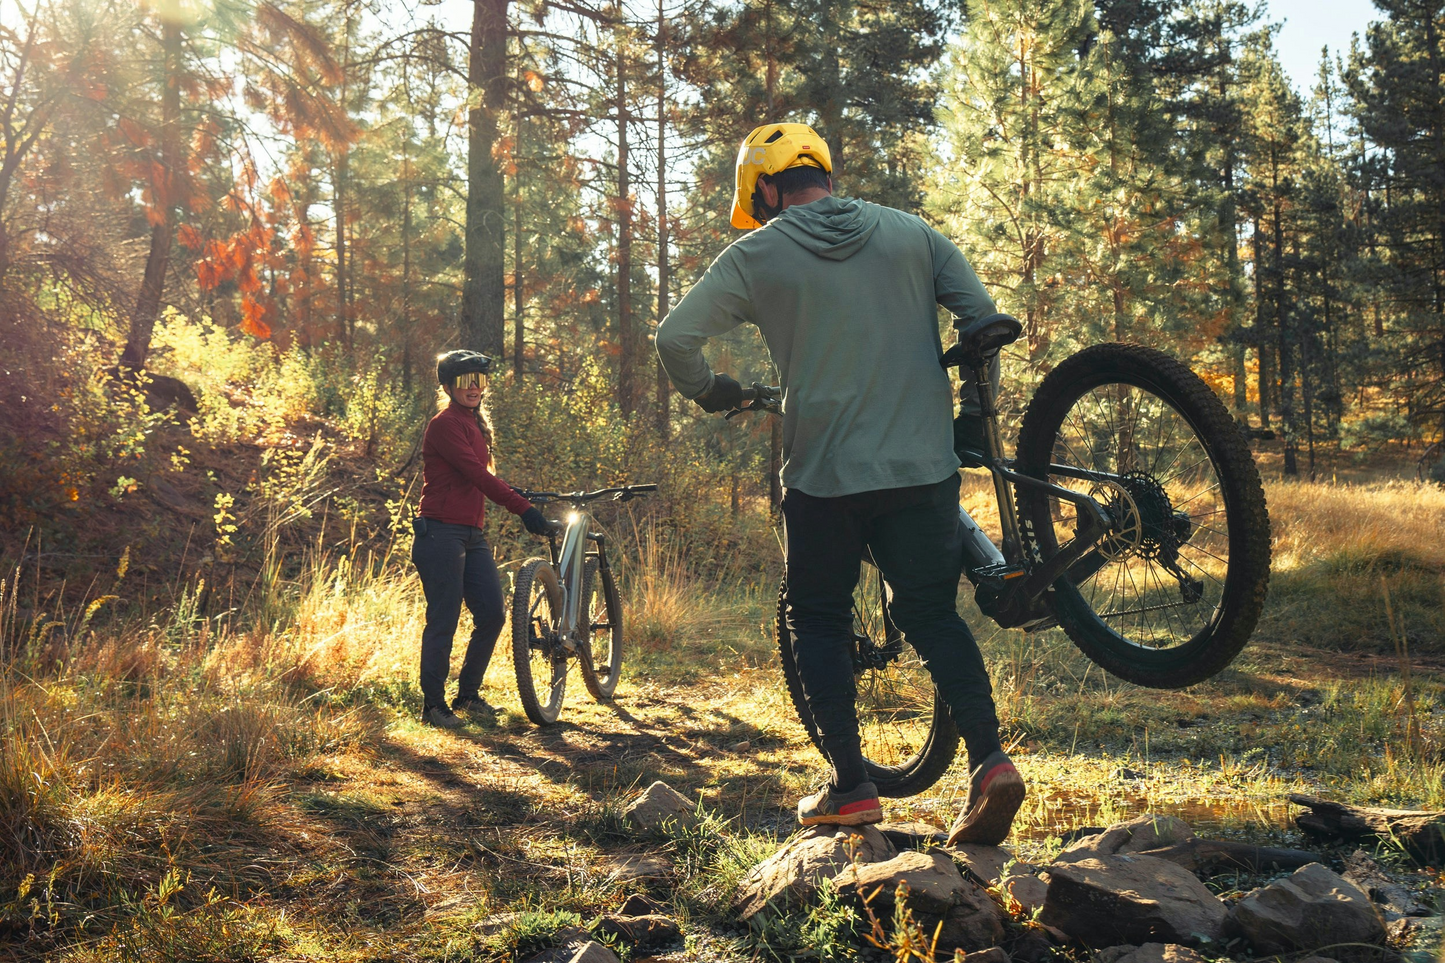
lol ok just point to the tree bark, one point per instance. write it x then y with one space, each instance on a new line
148 302
627 358
1206 857
484 283
1421 832
519 321
663 266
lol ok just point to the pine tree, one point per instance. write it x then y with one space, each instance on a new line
1398 92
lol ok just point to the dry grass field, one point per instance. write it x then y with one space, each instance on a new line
175 790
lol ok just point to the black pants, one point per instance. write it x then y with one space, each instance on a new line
914 537
456 565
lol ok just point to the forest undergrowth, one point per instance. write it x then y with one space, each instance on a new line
209 627
196 787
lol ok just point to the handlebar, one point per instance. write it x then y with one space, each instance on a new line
760 397
623 494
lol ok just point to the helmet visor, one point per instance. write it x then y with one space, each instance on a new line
472 379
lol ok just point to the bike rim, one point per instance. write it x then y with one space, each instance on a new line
1158 580
895 690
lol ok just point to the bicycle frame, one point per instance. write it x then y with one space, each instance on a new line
569 561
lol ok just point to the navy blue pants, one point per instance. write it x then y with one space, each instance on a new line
455 565
914 537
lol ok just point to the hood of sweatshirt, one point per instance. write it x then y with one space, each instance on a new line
832 227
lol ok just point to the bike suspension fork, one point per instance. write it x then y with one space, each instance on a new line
993 448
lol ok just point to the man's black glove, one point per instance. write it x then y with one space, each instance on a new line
536 523
724 395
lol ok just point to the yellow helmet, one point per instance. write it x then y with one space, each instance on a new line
769 149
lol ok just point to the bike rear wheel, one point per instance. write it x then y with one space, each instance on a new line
1172 595
538 657
909 737
602 610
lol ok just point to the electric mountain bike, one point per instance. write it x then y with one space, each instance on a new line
1132 517
567 608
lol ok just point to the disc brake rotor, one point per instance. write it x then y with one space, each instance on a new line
1127 535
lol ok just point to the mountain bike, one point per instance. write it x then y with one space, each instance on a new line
567 608
1132 517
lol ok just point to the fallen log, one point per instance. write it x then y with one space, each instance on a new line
1420 832
1204 857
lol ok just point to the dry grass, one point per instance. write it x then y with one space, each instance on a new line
187 789
1333 544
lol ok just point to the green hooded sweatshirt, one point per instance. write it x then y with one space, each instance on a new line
845 294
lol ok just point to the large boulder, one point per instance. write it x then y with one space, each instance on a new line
1312 908
793 874
1131 899
1135 836
936 892
660 808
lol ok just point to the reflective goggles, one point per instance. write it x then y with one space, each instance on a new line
472 379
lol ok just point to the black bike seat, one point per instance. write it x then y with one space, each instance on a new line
981 340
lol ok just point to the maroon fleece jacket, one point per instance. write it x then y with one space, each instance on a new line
455 481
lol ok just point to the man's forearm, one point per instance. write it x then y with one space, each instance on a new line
682 358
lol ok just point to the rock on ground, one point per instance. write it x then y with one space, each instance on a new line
1394 899
793 874
1314 907
1028 891
660 807
1131 899
594 953
985 863
569 941
936 892
633 866
1148 953
648 931
1135 836
994 954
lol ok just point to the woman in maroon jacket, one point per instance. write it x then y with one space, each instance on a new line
450 552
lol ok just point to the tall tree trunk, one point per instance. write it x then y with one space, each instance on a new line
343 273
148 302
483 324
406 319
519 321
627 359
664 278
1282 331
1261 341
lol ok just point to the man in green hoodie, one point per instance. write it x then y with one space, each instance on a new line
844 293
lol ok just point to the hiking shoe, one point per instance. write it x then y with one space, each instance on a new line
441 717
476 708
996 791
857 807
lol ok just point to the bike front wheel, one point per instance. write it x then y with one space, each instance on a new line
1170 596
538 656
602 610
908 735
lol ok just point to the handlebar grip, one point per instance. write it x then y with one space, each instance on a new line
642 488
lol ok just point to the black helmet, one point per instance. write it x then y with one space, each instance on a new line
460 362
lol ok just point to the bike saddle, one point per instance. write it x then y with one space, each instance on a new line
981 340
